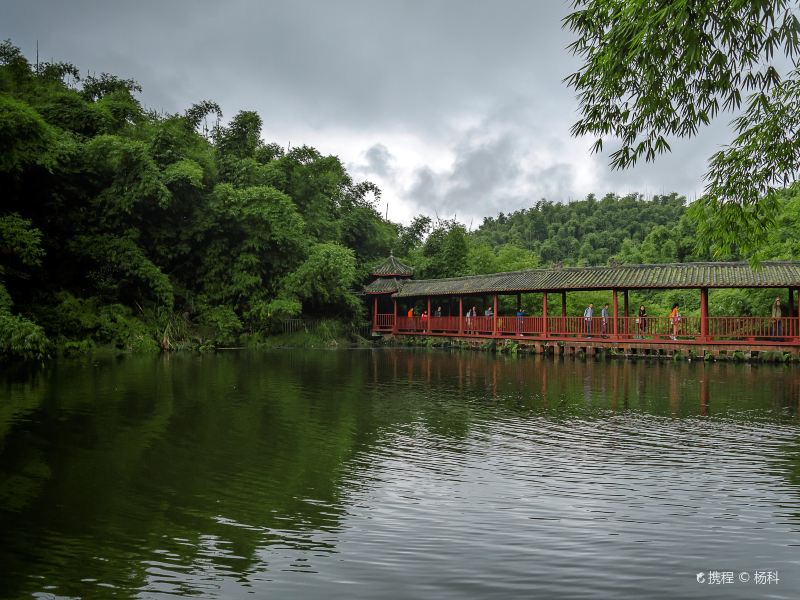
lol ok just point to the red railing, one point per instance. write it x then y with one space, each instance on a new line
384 322
760 329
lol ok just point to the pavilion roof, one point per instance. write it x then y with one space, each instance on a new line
658 276
383 285
391 267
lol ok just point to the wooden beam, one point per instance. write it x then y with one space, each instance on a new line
616 309
460 315
394 320
704 314
428 324
544 313
374 312
626 312
494 316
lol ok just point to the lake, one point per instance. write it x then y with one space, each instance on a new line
398 474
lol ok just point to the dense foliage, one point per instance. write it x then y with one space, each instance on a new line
124 226
657 69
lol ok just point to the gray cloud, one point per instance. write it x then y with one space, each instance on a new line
379 160
479 81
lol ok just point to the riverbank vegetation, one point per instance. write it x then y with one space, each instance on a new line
126 228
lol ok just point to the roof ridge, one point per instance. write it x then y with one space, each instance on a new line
741 263
633 276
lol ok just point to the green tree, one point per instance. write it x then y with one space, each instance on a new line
658 69
324 280
20 247
445 251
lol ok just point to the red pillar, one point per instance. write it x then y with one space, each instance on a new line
615 308
544 314
791 312
428 324
564 312
374 313
494 316
704 314
460 315
627 313
394 320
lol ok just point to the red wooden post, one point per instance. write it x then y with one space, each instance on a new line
394 319
625 308
494 317
616 306
544 314
460 315
563 312
374 313
797 313
428 324
704 314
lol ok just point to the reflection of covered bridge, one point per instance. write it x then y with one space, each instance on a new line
394 292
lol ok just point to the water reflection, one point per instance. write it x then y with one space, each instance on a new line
338 473
657 387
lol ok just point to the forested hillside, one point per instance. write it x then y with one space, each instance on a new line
121 225
148 231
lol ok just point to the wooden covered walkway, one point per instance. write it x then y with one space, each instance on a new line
393 292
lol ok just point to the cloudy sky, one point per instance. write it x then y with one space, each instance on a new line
453 107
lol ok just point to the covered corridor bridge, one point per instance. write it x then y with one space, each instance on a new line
394 291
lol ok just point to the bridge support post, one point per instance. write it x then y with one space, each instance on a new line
428 324
626 312
615 309
704 314
544 314
460 315
563 312
494 315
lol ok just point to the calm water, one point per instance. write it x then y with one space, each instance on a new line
397 474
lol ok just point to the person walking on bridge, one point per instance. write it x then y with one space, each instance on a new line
675 319
641 322
777 312
587 317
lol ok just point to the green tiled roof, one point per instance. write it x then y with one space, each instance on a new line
383 285
392 267
667 276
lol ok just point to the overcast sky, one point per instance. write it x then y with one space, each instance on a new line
451 107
